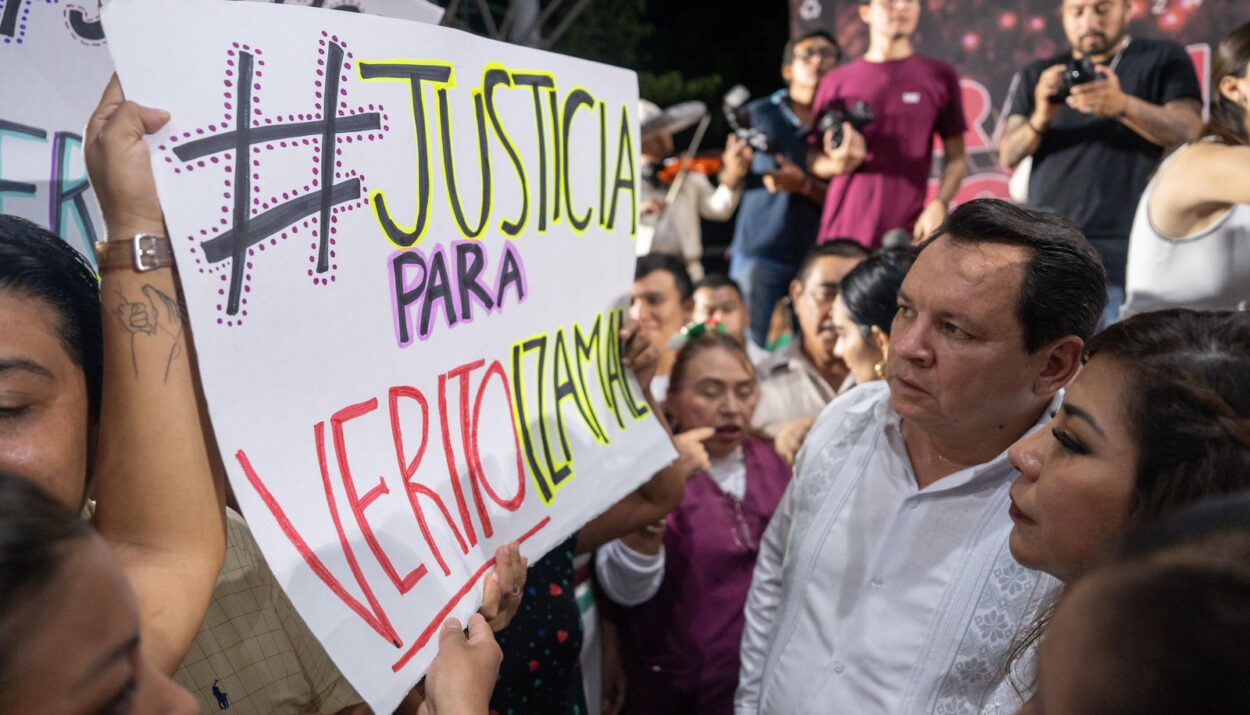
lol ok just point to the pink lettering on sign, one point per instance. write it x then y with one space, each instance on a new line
470 386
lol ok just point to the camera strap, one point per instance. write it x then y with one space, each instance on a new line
1115 61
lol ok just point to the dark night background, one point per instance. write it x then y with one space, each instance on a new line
698 49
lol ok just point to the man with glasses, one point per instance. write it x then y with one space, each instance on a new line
780 210
879 178
797 383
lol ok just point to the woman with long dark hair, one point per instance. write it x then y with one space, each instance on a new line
1190 244
1158 418
862 315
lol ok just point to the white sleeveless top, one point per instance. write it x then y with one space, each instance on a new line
1208 271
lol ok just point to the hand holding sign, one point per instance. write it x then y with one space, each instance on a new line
121 164
462 677
402 248
504 587
638 354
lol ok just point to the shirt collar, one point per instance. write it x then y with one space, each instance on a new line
781 98
997 468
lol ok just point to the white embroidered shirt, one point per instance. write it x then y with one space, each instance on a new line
873 596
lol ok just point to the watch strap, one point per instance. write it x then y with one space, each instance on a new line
144 252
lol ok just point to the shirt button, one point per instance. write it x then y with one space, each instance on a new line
838 666
913 504
876 583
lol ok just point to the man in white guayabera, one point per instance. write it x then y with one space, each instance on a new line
884 583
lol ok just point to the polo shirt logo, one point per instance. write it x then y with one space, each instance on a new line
911 98
223 698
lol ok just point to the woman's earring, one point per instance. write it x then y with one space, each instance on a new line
879 368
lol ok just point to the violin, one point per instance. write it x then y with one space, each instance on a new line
709 165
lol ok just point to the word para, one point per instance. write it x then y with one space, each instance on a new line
454 289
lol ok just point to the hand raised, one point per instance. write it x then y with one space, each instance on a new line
120 165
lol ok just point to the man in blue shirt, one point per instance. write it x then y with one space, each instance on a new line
779 216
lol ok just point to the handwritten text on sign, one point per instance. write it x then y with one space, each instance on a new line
405 251
54 62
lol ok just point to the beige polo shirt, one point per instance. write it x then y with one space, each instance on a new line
253 653
790 389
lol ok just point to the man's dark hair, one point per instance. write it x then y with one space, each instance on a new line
1064 289
787 55
837 248
36 264
719 280
653 262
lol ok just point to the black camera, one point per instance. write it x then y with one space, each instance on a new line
1076 73
859 115
733 105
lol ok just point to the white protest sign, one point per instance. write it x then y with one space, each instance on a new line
404 251
54 64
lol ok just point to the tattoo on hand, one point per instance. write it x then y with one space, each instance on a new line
157 315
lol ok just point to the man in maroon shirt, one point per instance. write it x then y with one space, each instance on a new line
878 179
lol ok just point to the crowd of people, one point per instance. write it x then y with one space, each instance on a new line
985 458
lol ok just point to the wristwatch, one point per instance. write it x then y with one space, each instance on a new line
144 252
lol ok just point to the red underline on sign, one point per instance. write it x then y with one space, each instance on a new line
441 616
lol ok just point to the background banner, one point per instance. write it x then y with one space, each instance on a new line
405 252
989 42
808 15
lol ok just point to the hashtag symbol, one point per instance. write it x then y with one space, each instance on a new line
11 11
253 223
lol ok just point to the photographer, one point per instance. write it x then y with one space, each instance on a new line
780 212
1096 137
880 170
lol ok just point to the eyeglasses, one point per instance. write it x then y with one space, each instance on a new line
823 54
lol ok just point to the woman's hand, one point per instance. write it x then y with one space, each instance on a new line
120 164
462 677
691 454
504 587
649 539
790 439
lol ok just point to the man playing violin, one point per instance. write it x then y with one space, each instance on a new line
671 211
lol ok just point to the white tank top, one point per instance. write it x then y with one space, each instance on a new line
1207 271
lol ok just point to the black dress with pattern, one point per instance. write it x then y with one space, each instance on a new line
541 647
